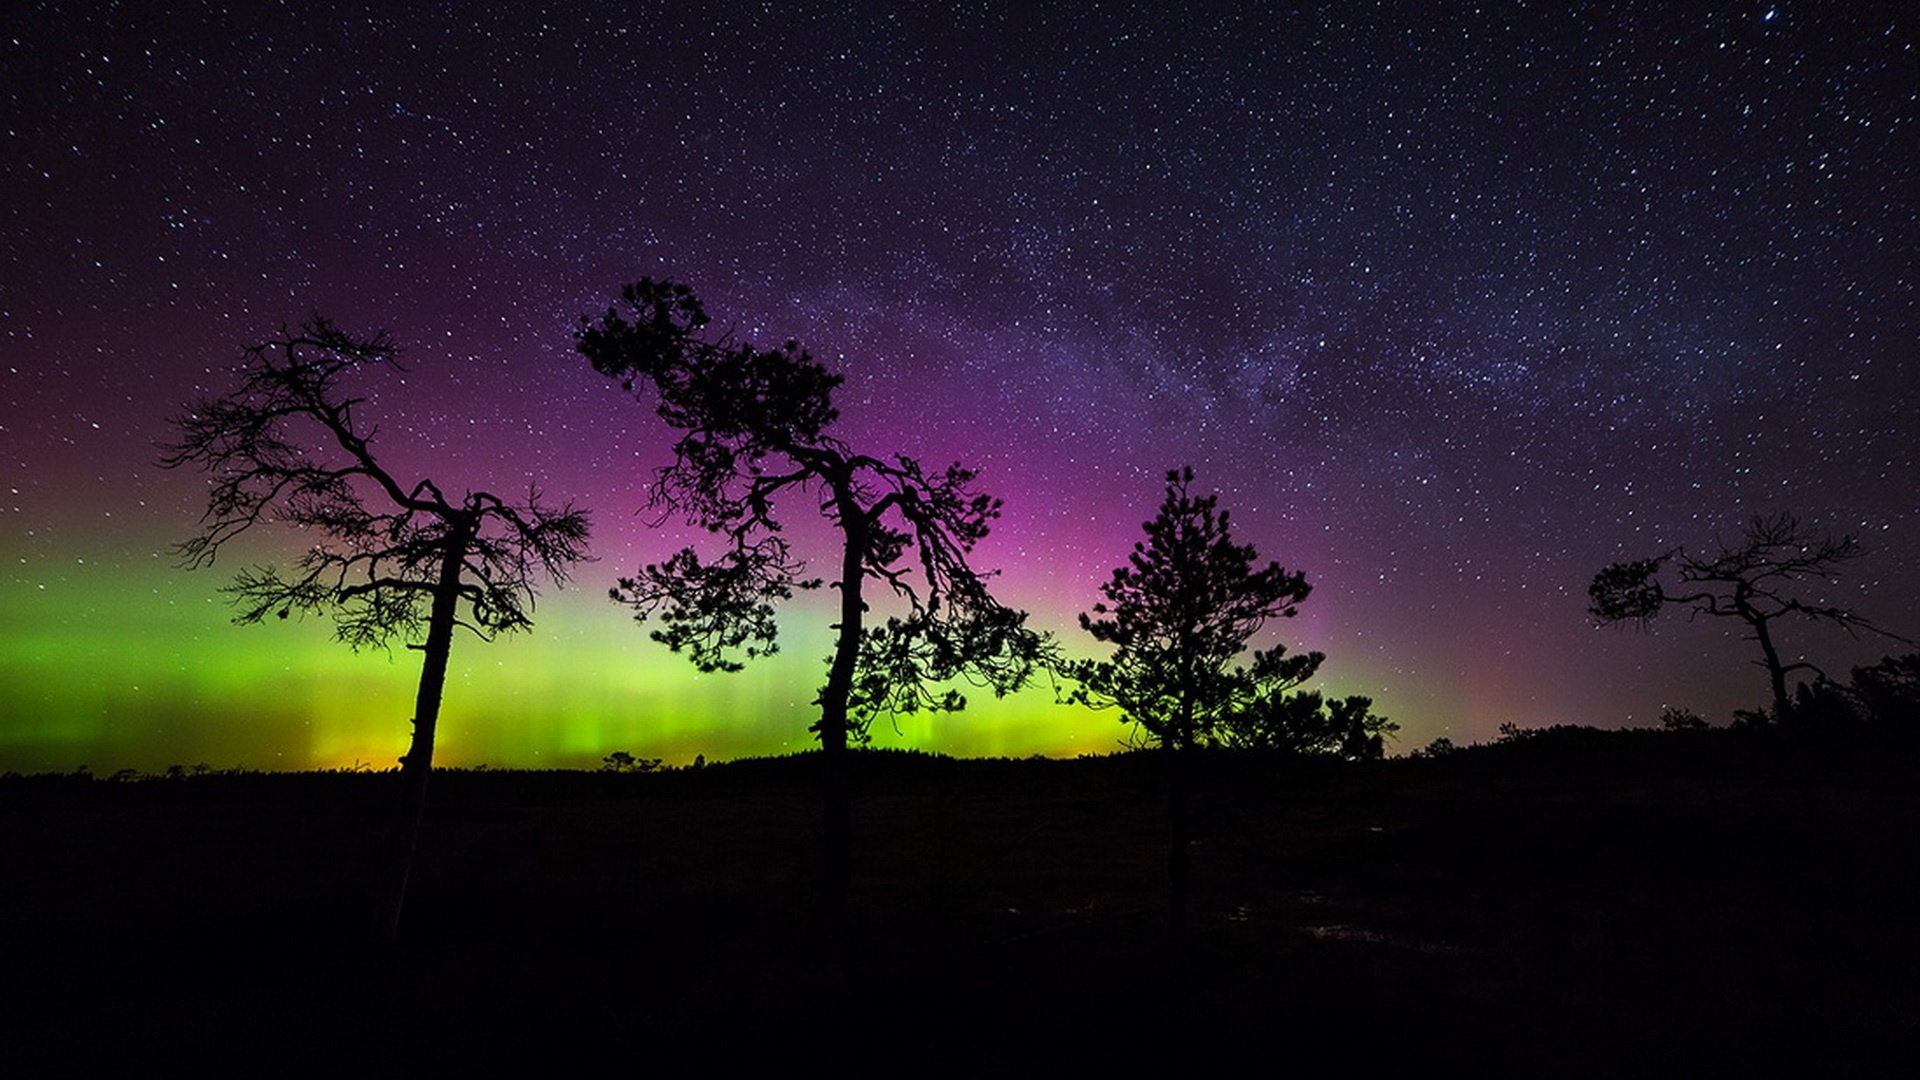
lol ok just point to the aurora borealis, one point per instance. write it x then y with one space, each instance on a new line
1453 305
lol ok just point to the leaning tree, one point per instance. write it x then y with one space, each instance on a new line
1179 617
755 437
387 559
1754 581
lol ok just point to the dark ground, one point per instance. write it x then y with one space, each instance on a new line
1626 904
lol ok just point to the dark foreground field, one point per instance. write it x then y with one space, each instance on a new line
1640 904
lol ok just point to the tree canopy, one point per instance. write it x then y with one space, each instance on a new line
287 447
755 428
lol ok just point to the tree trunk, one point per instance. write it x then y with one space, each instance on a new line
1179 856
418 764
1770 656
836 824
1179 744
1776 671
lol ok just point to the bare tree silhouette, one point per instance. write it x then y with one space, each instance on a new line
1752 581
1179 617
389 559
754 426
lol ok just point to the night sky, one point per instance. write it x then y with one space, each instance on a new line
1452 304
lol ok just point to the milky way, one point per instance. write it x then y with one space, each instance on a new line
1452 304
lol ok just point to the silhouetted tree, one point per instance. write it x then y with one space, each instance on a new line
1179 616
1306 724
1751 581
754 426
387 558
622 761
1681 719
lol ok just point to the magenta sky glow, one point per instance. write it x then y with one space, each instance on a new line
1451 307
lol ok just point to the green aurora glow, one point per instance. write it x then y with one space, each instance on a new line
137 665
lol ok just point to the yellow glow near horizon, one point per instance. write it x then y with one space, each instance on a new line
145 677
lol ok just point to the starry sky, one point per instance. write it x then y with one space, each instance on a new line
1453 304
